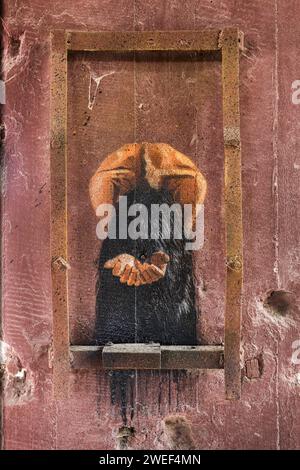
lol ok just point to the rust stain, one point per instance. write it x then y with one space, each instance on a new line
230 42
61 362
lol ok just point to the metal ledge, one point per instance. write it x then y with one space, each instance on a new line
147 356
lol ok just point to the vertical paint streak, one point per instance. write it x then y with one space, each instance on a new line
275 154
134 131
276 209
277 396
2 164
135 398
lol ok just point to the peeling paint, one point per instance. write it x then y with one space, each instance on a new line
17 380
94 85
263 315
176 433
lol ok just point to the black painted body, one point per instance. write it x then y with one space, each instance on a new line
163 312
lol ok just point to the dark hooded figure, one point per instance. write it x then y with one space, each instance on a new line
161 312
153 309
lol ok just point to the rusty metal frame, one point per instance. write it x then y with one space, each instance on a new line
139 356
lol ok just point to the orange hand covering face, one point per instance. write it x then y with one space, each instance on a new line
164 168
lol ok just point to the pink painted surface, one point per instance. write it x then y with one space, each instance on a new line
268 414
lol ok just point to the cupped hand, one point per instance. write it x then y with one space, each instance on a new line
134 273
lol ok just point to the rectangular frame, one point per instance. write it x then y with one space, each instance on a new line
64 356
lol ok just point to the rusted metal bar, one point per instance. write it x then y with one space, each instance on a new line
146 356
230 42
131 356
207 40
192 357
86 357
61 362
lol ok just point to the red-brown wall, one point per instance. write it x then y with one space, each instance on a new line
268 414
